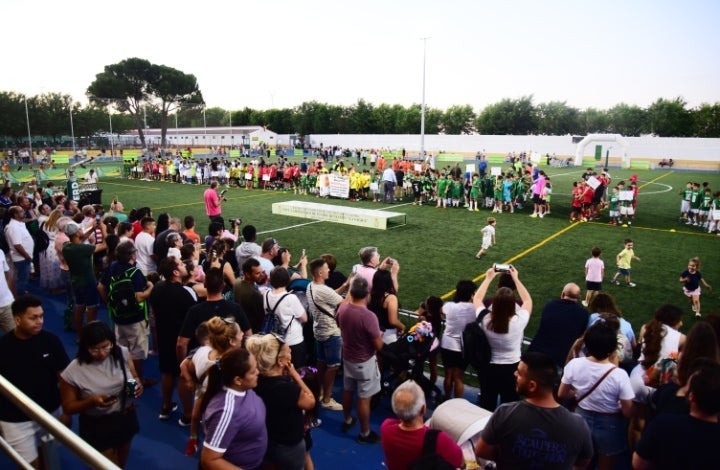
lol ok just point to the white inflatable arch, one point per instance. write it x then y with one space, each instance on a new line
592 138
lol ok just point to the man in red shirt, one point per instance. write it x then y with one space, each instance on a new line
213 201
402 439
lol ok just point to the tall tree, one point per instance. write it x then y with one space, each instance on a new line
363 118
707 120
124 86
594 121
12 117
508 117
557 118
134 82
174 90
629 120
458 120
669 118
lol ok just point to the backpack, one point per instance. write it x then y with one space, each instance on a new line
122 303
271 323
430 459
476 348
42 241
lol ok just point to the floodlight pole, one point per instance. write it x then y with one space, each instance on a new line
231 134
176 132
112 146
27 119
422 108
72 130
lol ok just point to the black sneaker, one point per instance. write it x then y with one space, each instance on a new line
166 412
371 438
346 426
184 421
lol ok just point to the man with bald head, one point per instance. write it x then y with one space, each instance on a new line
562 321
402 439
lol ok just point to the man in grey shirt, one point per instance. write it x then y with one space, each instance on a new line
535 433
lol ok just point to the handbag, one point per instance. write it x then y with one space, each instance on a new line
572 403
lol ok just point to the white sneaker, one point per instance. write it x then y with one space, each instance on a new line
533 215
584 302
331 405
631 284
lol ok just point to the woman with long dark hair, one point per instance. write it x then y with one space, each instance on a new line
603 393
660 339
233 415
384 304
458 313
504 327
98 385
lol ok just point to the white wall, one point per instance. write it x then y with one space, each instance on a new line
639 147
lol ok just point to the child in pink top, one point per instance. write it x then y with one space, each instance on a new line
594 271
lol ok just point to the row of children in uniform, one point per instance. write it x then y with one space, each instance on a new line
700 207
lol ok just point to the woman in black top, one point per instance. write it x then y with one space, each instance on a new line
286 397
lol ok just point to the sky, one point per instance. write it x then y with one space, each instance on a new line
280 53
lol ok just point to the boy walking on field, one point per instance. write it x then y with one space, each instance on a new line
624 262
594 272
488 237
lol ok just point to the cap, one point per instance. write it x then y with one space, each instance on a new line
71 229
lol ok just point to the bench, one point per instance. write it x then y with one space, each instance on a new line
370 218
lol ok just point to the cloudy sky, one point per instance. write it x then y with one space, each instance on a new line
280 53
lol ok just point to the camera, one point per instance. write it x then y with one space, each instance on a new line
235 222
501 268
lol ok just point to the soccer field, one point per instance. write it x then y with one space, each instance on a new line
437 246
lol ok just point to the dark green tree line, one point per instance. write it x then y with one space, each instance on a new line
138 94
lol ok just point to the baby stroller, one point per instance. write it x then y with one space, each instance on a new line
405 360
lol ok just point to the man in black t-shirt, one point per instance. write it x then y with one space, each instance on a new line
32 360
247 294
674 440
214 306
562 321
170 301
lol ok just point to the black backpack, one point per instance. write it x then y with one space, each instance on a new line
122 303
476 348
430 459
271 322
42 241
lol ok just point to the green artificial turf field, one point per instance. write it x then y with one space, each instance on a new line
436 248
